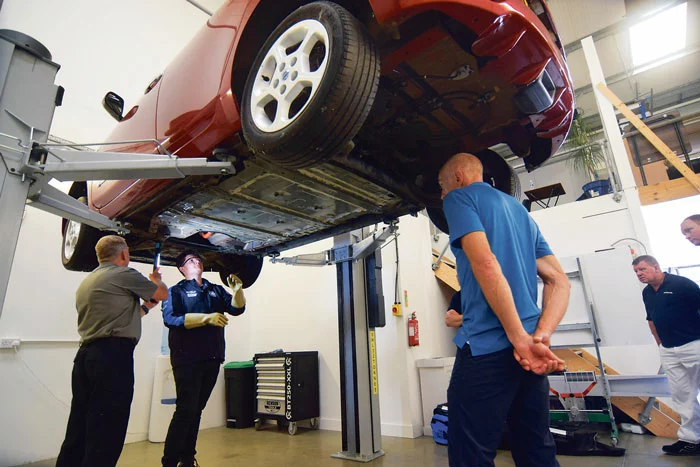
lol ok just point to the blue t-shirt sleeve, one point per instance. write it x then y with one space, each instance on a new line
541 245
169 317
462 216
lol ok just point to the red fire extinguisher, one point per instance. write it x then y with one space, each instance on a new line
413 331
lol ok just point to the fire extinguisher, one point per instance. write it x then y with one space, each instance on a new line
413 331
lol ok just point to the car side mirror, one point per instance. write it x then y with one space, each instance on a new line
114 105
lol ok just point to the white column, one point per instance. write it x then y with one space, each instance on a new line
617 147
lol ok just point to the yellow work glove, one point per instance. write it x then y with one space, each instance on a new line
197 320
236 286
234 283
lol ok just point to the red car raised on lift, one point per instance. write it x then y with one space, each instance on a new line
335 115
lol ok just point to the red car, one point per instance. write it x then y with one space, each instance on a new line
335 116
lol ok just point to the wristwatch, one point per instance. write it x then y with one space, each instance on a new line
145 308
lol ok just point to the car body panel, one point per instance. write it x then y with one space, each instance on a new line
418 119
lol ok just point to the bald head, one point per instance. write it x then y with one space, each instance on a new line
459 171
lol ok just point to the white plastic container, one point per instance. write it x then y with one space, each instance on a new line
434 378
162 401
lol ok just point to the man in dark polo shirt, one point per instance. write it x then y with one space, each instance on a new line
109 324
673 312
195 316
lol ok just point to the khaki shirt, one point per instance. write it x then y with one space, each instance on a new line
108 302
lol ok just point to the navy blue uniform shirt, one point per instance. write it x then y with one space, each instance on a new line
197 344
674 309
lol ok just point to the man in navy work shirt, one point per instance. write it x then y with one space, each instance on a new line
453 317
499 376
673 312
194 314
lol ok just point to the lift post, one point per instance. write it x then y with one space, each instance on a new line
27 94
357 258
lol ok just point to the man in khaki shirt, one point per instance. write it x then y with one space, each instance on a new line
109 324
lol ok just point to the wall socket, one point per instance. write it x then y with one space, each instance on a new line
10 343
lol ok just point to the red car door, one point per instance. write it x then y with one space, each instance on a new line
189 98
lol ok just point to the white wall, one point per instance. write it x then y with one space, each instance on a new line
103 46
558 172
664 224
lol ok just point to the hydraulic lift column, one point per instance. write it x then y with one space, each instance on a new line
28 98
360 310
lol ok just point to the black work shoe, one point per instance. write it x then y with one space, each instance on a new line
682 448
192 463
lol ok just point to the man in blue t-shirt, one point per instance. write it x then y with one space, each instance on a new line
673 313
499 376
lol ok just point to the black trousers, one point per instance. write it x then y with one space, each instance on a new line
193 385
103 386
485 393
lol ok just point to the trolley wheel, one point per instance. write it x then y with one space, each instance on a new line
314 423
292 428
258 424
615 441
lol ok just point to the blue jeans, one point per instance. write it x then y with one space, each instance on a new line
485 393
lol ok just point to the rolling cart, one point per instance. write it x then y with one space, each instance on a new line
287 389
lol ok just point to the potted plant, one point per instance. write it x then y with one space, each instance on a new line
587 157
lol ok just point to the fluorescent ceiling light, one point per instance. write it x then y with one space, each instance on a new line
659 36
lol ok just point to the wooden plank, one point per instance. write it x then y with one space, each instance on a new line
667 191
648 134
661 424
436 254
448 275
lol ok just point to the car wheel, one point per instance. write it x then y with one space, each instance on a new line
247 268
498 173
437 217
310 87
78 246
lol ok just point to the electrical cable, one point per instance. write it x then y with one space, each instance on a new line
630 238
38 380
396 282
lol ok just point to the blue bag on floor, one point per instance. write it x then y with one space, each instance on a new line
439 424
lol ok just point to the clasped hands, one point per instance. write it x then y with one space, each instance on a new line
532 352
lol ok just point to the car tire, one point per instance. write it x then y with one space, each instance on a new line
437 217
333 85
247 268
78 245
497 173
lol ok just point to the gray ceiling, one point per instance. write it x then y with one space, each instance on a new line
608 21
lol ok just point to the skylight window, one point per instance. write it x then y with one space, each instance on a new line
659 38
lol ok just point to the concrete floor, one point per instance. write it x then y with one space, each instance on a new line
269 447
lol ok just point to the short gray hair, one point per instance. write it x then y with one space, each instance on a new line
650 260
109 247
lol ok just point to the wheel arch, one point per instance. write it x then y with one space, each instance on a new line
264 19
